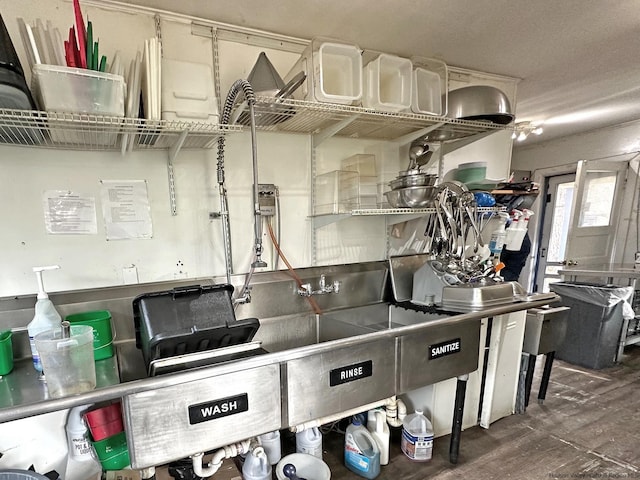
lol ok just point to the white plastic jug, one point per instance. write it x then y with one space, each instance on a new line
377 426
417 437
256 465
271 444
309 441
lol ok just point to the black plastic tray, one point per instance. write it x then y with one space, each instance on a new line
188 320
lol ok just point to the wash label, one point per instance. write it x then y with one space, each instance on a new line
350 373
444 348
223 407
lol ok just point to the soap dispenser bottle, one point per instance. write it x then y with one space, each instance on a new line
45 318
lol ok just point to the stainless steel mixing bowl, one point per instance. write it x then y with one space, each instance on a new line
411 197
413 180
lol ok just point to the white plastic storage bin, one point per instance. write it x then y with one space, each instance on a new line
334 72
429 90
77 90
336 192
388 83
188 92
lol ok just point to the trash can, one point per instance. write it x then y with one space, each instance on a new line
594 327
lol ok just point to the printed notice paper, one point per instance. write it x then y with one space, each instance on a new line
67 212
126 210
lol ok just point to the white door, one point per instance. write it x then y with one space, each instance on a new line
594 216
555 229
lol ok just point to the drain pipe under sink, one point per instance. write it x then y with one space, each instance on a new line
214 465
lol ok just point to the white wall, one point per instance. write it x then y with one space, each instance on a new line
189 244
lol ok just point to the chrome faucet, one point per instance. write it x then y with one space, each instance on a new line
306 290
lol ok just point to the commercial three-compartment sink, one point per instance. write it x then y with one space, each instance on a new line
361 350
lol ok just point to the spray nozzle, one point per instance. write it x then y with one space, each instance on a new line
38 271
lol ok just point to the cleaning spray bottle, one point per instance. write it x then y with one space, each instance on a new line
515 232
498 236
45 318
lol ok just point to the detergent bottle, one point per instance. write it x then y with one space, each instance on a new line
45 318
498 236
256 465
361 453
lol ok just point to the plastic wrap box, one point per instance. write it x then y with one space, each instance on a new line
188 320
81 91
334 72
387 83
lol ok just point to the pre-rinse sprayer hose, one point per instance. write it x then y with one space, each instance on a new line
237 87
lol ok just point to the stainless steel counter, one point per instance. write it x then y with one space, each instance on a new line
22 394
609 271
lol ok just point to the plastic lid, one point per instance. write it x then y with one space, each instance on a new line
418 411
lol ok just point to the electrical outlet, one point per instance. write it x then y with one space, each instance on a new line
267 199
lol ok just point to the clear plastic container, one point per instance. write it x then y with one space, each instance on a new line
334 72
68 363
364 164
417 437
429 93
77 90
336 192
387 81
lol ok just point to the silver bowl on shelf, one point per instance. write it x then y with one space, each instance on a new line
411 197
412 180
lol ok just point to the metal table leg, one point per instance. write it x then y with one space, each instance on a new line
546 373
458 411
529 378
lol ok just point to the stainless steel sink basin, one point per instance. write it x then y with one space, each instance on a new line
472 297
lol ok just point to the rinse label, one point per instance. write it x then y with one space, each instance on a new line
350 373
444 348
223 407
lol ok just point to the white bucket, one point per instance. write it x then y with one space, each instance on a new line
307 466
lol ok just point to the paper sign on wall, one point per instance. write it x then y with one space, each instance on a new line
67 212
126 210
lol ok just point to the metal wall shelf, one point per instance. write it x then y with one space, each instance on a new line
394 215
75 131
297 116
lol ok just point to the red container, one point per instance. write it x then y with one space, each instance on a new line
105 421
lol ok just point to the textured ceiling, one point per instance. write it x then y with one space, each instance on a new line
578 60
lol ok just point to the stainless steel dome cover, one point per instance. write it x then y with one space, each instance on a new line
480 102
